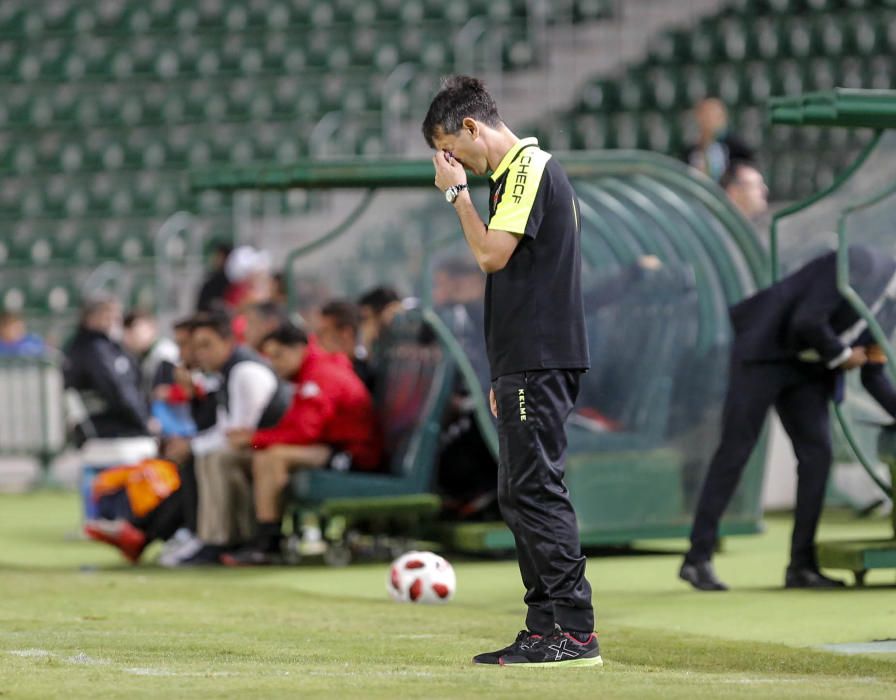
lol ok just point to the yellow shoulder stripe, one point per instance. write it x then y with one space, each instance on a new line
523 178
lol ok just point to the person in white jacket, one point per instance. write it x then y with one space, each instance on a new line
250 397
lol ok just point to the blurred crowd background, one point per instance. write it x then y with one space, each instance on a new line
108 104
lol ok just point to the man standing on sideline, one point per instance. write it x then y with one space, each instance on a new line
793 343
537 348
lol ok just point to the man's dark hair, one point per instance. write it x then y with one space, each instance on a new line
378 298
287 334
343 312
134 316
221 247
269 310
732 172
9 317
217 322
279 279
185 324
459 97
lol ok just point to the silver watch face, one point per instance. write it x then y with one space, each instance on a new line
450 195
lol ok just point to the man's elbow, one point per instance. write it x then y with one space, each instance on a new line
490 263
489 266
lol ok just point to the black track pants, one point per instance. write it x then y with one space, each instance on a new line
801 399
532 411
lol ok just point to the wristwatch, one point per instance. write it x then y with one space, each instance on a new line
452 192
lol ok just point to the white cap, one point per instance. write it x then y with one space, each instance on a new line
246 260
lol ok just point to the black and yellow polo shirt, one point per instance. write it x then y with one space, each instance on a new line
534 315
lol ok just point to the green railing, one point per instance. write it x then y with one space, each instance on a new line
841 107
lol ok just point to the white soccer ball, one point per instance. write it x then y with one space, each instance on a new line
421 577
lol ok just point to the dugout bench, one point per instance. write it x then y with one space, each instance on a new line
635 482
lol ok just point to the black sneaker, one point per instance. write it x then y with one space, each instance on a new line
555 650
208 555
251 556
523 640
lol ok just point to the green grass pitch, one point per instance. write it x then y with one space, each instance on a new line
75 622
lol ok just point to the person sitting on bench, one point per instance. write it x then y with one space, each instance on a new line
331 424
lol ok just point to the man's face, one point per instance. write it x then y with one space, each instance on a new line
370 325
285 359
107 319
334 338
12 330
466 146
138 339
257 327
183 338
711 116
210 350
749 193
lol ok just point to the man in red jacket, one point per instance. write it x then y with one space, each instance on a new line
331 424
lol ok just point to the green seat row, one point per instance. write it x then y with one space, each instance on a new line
196 100
786 7
380 47
83 241
737 83
736 38
57 289
194 16
119 194
155 148
655 130
744 54
163 58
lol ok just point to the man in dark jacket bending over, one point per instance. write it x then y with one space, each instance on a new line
793 343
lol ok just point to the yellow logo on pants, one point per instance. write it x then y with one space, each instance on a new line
522 395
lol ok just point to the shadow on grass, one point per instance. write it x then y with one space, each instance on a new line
684 652
867 588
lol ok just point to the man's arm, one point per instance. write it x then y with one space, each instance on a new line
491 248
303 424
212 439
811 319
250 389
877 383
113 386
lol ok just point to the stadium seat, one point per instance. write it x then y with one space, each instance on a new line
104 102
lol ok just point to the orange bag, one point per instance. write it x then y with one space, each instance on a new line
146 484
